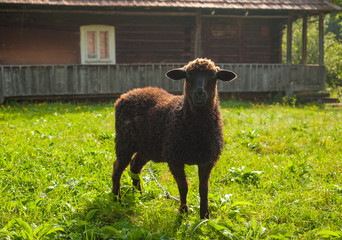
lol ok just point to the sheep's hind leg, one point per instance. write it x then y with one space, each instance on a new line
179 175
137 163
120 164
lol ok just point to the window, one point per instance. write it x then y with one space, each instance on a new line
97 44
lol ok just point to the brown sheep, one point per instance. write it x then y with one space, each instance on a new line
156 125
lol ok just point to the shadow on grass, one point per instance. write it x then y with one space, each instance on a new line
136 216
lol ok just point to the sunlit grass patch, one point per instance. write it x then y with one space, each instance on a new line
279 177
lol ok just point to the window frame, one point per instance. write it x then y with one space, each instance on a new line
111 44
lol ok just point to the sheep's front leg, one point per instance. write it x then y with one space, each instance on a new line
179 175
204 175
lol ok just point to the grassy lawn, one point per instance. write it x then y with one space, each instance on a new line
279 177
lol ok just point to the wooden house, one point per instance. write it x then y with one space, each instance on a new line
105 47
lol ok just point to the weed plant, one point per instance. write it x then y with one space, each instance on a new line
279 177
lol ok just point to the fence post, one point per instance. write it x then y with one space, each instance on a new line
289 89
2 98
321 39
289 40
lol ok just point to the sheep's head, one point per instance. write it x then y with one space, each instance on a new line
201 77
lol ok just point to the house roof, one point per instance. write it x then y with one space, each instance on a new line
306 5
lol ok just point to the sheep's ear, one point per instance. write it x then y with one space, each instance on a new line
176 74
226 75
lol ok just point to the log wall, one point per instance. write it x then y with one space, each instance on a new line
239 40
39 38
54 38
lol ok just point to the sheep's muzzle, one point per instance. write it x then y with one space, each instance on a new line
199 97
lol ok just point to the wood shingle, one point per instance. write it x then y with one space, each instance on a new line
304 5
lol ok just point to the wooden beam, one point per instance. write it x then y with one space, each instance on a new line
289 41
241 45
304 39
2 98
198 34
321 39
246 17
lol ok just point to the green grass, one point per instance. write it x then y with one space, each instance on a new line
279 177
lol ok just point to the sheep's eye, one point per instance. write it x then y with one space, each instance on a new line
189 81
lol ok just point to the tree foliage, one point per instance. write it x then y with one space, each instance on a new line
337 2
332 45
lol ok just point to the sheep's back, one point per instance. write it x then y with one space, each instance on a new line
141 116
141 101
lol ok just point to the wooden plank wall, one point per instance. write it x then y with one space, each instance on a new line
50 80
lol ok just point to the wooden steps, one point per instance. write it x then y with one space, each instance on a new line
319 97
334 105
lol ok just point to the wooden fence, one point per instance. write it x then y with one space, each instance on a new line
60 80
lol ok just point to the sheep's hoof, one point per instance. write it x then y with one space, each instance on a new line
136 189
137 185
204 215
116 197
184 209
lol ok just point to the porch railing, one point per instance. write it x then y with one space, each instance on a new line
54 80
